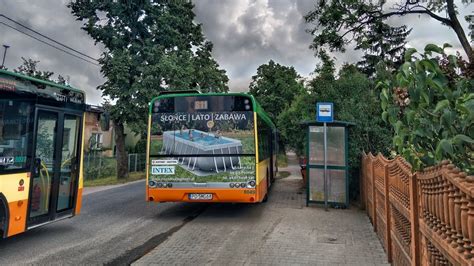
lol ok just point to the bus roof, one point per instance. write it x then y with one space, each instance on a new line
45 82
256 106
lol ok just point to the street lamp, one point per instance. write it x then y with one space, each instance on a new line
4 55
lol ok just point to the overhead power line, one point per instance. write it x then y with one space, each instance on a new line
46 37
50 39
63 50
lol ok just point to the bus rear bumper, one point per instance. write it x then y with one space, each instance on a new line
218 195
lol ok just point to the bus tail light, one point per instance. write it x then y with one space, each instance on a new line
151 183
252 183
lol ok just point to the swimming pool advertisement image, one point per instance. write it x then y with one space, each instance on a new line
202 147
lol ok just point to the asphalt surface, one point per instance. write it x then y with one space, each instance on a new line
116 226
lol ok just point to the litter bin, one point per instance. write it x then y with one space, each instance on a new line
303 169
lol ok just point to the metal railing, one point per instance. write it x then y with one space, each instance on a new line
136 162
100 166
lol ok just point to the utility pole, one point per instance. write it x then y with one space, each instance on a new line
4 55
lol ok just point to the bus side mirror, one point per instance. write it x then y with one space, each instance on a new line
105 121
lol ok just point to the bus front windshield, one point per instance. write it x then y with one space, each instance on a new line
202 139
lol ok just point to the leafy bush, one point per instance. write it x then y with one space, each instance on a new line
430 106
96 167
355 101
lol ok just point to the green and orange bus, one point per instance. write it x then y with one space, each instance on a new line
209 147
41 151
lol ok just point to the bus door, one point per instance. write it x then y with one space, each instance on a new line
55 172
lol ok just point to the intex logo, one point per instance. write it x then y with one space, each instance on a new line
162 170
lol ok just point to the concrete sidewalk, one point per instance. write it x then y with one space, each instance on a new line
280 232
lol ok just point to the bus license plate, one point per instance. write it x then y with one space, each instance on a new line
200 196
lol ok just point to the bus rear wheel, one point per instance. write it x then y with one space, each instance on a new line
265 199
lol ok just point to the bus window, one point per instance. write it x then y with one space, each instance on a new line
69 162
14 134
206 138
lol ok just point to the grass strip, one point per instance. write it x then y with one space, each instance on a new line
112 180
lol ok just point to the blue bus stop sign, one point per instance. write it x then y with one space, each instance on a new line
324 112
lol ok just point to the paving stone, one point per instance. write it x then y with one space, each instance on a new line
282 231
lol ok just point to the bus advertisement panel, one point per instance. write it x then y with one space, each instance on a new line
202 139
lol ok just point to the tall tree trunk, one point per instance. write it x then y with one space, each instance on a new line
122 160
459 31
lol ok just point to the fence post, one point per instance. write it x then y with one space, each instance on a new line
374 194
415 239
387 212
362 187
129 162
100 165
136 160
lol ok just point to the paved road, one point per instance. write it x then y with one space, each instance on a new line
117 227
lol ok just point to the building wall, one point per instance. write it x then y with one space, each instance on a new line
108 137
92 127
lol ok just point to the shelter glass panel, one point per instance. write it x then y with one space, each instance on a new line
336 145
336 185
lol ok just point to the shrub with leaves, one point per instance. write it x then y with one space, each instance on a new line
431 108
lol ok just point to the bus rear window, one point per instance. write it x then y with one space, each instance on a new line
14 133
212 103
209 124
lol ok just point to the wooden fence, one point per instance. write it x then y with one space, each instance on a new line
421 218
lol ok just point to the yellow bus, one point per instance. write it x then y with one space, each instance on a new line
209 147
41 144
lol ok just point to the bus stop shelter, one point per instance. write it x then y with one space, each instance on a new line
337 163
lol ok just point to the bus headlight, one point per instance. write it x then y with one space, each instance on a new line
160 185
242 185
252 183
151 183
170 184
231 185
237 185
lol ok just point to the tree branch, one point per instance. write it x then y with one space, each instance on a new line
425 11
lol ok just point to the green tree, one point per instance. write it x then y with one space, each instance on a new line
61 80
354 100
29 68
275 86
289 122
430 106
148 48
382 43
207 75
339 22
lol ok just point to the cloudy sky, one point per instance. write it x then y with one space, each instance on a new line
245 33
